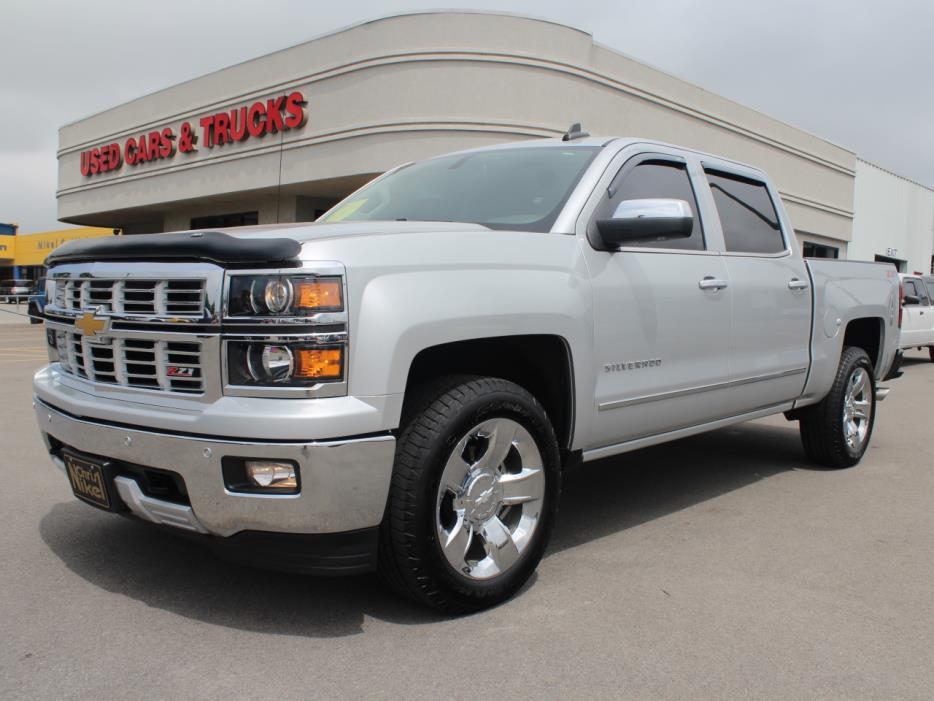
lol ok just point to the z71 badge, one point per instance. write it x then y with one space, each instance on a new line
632 365
178 371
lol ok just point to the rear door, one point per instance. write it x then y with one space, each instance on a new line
771 320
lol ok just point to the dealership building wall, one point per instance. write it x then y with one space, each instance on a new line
407 87
894 219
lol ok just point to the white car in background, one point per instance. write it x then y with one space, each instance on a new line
917 312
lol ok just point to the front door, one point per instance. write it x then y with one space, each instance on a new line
662 316
917 317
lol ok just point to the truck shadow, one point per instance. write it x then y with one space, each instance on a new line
910 360
610 495
601 498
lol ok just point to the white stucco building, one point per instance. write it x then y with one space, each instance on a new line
282 137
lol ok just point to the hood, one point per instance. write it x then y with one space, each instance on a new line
305 232
259 245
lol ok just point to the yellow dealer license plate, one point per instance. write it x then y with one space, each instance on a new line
87 479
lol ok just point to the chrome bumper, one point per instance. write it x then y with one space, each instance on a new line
344 482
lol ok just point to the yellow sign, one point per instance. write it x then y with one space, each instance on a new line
32 249
7 246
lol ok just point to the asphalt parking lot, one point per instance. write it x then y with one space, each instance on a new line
721 566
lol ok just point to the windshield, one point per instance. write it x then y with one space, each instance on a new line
519 188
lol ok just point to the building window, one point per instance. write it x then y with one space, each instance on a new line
223 221
900 265
818 250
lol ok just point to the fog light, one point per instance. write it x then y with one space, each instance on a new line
271 474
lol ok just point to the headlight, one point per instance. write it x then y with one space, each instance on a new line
283 295
252 363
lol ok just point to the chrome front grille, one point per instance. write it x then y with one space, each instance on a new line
131 296
170 366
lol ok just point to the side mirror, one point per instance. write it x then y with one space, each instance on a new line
909 300
646 220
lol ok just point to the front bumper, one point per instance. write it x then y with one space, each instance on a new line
345 482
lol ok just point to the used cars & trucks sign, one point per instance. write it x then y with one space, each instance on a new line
281 113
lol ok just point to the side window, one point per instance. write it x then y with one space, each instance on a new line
923 293
649 180
747 214
913 288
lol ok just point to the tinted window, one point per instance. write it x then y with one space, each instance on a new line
651 180
914 287
817 250
747 215
511 188
225 221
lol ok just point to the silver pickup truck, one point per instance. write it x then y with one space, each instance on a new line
399 386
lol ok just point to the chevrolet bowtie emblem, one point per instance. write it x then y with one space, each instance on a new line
89 325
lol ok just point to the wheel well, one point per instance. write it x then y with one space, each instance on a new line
540 364
865 334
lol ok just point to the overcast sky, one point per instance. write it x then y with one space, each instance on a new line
856 72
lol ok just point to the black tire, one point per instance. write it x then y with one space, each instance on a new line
822 425
411 560
931 353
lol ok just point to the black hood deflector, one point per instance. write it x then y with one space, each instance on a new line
211 246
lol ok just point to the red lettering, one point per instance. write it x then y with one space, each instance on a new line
270 116
187 139
155 139
115 158
254 126
105 159
142 154
238 124
295 108
274 115
221 128
166 143
206 130
130 152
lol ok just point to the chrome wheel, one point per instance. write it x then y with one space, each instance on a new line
857 409
490 498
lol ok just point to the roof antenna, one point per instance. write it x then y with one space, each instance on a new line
574 133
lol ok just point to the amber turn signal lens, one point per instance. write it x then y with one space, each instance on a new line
318 294
319 363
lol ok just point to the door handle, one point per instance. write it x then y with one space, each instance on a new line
796 284
711 283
